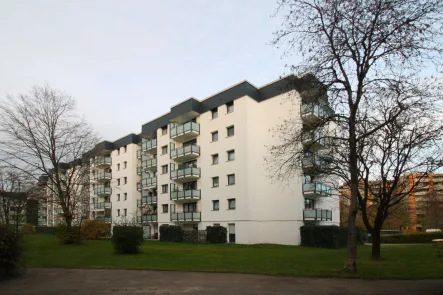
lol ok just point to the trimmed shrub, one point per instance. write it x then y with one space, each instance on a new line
28 229
45 230
194 236
95 229
127 239
323 236
11 250
171 233
65 237
216 234
420 238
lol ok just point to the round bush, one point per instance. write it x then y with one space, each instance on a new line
127 239
10 253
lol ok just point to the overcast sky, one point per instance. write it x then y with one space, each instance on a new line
127 62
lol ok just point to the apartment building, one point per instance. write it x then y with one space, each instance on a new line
203 164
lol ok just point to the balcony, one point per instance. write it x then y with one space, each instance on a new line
103 177
150 146
103 162
148 183
316 190
139 186
103 191
147 200
185 195
104 219
149 165
139 154
139 170
147 218
185 174
101 205
315 141
186 216
184 154
317 214
314 163
185 132
310 113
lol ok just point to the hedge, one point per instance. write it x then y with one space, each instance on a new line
11 251
65 237
325 236
127 239
216 234
421 238
171 233
194 236
44 230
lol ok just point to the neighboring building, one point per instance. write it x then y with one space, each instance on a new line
203 164
17 208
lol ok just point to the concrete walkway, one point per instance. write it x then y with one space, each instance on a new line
82 282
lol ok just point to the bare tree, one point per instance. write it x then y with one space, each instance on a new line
41 134
359 51
433 209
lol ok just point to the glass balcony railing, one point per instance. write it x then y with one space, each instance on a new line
101 205
139 154
315 139
103 176
149 144
147 218
185 194
317 189
139 170
139 186
186 150
147 200
186 216
148 182
103 161
319 111
316 162
317 214
103 191
149 163
190 127
185 172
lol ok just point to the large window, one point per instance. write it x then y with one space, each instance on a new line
230 107
215 205
231 179
214 136
189 207
231 155
214 113
231 204
215 181
164 188
215 159
230 131
164 169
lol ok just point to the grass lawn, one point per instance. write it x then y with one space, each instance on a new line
399 261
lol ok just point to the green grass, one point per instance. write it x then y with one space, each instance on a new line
399 261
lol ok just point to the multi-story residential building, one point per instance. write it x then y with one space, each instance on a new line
203 164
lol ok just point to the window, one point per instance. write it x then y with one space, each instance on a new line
215 159
165 208
231 179
164 169
118 167
231 204
230 131
309 204
118 212
231 155
214 136
215 205
230 107
214 113
125 180
164 150
118 181
190 207
164 130
164 188
118 197
125 149
215 181
125 165
125 212
126 196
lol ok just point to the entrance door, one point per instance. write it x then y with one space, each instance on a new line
146 232
231 228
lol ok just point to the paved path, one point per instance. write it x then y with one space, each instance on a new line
83 282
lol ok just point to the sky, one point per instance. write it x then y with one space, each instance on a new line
128 62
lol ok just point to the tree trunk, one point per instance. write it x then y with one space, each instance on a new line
375 244
69 239
351 254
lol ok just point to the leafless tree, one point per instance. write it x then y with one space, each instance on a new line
433 209
41 134
363 53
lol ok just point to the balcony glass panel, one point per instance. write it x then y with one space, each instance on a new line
320 111
103 190
195 149
186 216
149 181
317 188
187 127
149 144
185 172
317 214
103 160
103 175
316 161
187 194
149 163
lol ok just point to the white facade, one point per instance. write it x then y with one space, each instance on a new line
264 211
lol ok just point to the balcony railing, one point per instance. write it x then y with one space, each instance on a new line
104 176
148 164
186 173
139 154
149 182
101 205
139 170
149 145
147 200
186 194
312 112
315 140
104 219
103 190
186 153
186 216
147 218
100 161
139 186
317 214
185 131
315 162
316 189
